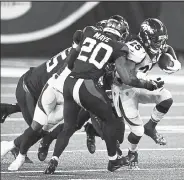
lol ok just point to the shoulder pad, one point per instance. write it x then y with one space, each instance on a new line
136 52
90 28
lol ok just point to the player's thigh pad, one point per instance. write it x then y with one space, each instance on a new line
56 115
40 116
116 97
49 100
156 96
137 130
94 99
126 101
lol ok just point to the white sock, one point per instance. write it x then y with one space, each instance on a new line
55 157
111 158
133 147
156 116
21 156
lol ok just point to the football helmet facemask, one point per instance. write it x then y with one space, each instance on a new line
101 24
118 26
153 35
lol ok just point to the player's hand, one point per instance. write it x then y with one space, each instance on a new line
152 85
159 82
176 67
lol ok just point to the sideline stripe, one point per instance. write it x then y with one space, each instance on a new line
17 72
162 129
143 117
10 95
174 104
51 30
91 170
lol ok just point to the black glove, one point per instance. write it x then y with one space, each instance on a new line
152 85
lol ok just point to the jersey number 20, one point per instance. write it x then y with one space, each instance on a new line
89 46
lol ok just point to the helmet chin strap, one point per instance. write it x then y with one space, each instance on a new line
153 51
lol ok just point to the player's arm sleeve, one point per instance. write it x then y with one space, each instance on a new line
126 70
77 38
72 56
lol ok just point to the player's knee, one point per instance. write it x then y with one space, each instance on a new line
138 130
36 126
133 138
165 105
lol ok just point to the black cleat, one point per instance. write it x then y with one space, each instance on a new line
43 150
90 139
4 112
51 167
15 152
116 164
152 132
133 158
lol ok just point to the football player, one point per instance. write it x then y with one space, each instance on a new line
128 89
34 81
28 90
51 113
81 88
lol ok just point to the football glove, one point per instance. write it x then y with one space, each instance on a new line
152 85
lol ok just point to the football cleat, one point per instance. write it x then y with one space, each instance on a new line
116 164
133 158
53 163
15 152
4 112
6 146
43 150
90 139
152 132
19 161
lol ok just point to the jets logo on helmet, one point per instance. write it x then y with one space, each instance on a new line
118 26
101 24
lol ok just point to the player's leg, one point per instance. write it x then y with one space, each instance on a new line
8 109
27 105
163 100
98 104
46 103
71 111
126 104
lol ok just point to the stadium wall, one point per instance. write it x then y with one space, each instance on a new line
41 29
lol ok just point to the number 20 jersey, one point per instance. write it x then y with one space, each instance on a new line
97 50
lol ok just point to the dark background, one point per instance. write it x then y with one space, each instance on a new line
44 14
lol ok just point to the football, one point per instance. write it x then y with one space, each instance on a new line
165 61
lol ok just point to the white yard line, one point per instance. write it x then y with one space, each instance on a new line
174 104
10 95
162 129
143 117
17 72
91 170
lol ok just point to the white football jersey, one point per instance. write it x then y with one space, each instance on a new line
138 54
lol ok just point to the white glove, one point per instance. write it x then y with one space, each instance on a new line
176 67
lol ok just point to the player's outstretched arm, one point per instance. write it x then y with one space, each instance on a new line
126 71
